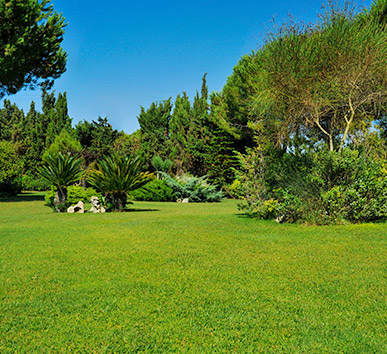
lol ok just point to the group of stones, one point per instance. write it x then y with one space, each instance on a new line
96 207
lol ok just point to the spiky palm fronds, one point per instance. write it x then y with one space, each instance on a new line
62 170
117 175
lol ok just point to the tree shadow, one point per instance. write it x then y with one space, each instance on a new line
135 210
23 197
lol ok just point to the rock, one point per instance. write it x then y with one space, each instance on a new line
185 200
280 219
78 208
96 206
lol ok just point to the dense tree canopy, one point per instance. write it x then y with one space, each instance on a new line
31 33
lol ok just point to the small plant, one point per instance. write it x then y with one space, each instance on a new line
115 176
61 171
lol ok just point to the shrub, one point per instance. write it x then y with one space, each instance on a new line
74 195
34 183
156 190
115 176
318 187
234 190
197 189
61 171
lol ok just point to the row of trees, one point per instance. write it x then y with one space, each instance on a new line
177 131
297 125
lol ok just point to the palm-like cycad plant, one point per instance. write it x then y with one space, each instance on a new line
62 171
117 175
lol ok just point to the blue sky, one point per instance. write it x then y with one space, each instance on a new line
126 54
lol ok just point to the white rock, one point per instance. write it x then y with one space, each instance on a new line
78 208
96 206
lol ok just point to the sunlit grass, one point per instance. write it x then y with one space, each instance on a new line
187 278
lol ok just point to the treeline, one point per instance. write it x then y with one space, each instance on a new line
181 131
298 131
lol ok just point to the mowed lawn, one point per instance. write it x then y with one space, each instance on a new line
187 278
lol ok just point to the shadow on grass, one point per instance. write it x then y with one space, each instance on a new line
24 197
134 210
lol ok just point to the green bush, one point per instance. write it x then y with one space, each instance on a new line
74 195
196 189
363 200
33 183
317 187
156 190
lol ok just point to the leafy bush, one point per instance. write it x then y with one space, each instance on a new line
197 189
74 195
34 183
234 190
156 190
363 200
161 165
318 187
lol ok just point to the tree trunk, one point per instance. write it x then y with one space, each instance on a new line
60 199
119 201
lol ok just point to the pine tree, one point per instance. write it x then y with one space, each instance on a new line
154 133
179 130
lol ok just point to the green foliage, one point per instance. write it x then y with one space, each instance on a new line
197 189
127 144
74 195
180 128
61 170
319 187
115 176
65 144
161 165
234 190
10 169
35 183
221 159
154 132
31 34
156 190
97 139
364 200
55 116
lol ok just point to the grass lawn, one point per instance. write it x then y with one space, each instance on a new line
187 278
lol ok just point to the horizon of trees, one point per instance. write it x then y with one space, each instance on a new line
311 93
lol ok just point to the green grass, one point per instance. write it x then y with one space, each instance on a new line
187 278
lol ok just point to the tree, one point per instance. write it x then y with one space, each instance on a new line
61 171
10 169
199 132
179 128
154 132
117 175
97 138
323 79
31 33
64 143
